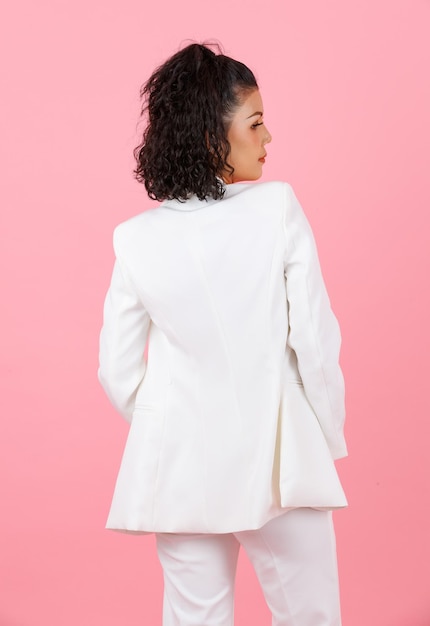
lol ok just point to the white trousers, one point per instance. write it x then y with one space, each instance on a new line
294 557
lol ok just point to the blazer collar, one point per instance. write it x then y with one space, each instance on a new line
194 204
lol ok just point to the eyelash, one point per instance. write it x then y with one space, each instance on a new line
254 126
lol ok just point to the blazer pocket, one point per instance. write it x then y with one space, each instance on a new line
145 406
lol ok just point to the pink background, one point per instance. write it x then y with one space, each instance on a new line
347 97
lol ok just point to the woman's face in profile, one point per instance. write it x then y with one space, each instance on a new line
248 136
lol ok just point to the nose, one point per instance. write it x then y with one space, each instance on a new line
267 138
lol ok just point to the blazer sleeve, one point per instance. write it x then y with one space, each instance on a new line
123 340
314 333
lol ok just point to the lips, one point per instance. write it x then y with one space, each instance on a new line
262 160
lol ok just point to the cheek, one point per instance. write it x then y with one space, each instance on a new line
239 151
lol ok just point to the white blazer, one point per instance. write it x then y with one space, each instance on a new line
238 411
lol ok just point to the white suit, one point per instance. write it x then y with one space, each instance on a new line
238 413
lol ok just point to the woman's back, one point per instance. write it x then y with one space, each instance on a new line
211 276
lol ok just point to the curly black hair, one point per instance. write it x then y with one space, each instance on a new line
188 103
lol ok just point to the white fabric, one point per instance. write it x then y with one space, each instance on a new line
238 413
294 557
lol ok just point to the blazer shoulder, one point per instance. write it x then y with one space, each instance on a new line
272 188
132 229
279 193
292 207
275 195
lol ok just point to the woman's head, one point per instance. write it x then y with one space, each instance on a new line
191 102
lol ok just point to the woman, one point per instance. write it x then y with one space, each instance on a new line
237 413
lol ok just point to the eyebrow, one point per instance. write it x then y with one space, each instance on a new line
259 113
